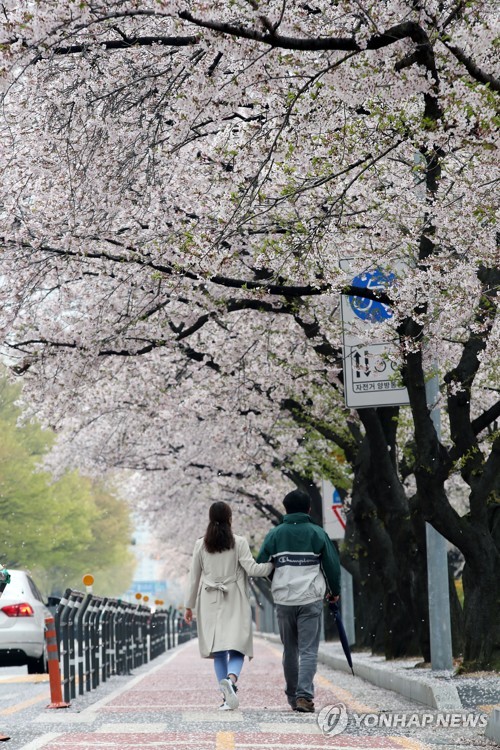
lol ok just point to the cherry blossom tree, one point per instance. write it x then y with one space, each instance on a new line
180 184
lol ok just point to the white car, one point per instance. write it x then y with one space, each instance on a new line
22 624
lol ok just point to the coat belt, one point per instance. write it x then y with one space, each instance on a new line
218 588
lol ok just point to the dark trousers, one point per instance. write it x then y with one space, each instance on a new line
300 627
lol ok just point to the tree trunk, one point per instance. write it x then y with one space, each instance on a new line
471 534
401 627
400 523
481 582
307 485
367 591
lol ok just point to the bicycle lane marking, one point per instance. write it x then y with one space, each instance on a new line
25 704
344 695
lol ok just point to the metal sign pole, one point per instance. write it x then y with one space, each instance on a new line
437 569
347 605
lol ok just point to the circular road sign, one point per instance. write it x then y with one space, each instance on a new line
369 309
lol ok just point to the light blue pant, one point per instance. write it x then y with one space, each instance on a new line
299 628
227 662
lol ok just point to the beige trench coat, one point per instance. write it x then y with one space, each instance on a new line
218 592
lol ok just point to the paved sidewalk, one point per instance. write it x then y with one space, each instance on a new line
479 691
173 703
445 690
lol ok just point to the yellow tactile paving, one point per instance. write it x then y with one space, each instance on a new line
409 744
224 741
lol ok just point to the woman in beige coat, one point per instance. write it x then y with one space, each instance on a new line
218 591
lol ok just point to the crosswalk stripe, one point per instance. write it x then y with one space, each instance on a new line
42 741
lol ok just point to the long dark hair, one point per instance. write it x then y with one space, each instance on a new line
219 535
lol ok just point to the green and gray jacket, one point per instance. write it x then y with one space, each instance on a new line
305 560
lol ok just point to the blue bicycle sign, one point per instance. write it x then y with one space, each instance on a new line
368 309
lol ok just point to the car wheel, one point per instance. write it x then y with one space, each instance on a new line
38 666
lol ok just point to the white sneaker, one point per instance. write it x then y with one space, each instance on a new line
224 707
229 693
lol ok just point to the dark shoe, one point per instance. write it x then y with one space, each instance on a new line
292 701
305 706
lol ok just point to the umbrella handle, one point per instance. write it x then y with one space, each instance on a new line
334 608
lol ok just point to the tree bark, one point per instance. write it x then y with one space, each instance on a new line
472 534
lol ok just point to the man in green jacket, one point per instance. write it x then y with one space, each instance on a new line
306 565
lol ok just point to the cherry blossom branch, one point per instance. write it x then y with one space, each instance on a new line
460 379
454 14
272 39
487 418
473 69
489 484
407 29
137 41
328 431
324 349
280 290
254 184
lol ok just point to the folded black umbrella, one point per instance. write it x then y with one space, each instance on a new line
335 610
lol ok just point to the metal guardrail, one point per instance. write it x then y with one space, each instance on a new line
99 637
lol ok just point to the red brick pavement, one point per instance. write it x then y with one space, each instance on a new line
222 740
176 705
